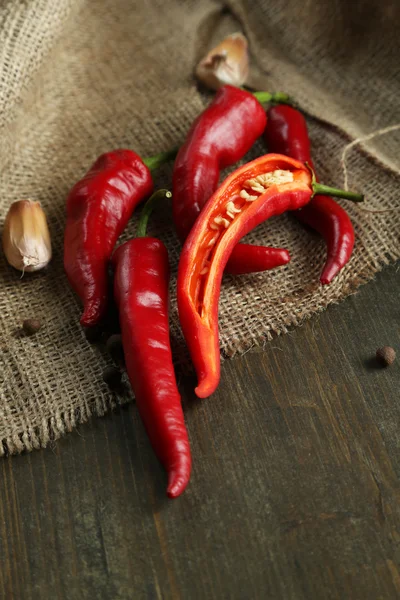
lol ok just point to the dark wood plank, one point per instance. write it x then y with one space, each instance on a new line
295 490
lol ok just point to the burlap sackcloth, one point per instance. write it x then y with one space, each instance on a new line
80 77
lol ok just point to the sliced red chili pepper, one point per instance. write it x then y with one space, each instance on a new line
286 133
218 138
141 293
268 186
98 209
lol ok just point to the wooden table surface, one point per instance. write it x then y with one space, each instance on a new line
295 489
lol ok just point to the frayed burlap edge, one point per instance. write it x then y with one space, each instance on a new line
66 421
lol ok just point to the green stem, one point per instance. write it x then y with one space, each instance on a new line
148 209
325 190
274 98
153 162
319 188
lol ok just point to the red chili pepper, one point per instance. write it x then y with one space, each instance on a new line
98 209
141 293
246 258
265 187
286 133
218 138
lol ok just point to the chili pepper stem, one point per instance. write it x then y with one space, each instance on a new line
148 209
325 190
154 162
319 188
274 98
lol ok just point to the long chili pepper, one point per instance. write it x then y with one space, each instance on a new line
98 209
141 293
286 133
219 137
268 186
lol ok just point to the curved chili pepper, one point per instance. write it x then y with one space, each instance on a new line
265 187
286 133
219 137
98 209
141 293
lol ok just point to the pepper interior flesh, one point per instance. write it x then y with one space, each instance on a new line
233 204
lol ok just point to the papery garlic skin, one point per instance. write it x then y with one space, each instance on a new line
227 63
26 236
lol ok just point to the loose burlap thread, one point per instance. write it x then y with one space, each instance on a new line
80 77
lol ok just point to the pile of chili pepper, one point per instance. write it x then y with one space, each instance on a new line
210 221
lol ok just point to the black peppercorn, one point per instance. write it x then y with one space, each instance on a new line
386 356
31 326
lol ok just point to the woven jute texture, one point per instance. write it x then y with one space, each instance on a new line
81 77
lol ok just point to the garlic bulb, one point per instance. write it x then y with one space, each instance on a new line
227 63
26 236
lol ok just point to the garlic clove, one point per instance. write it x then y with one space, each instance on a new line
227 63
26 236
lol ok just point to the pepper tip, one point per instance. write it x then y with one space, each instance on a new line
92 314
204 390
177 482
329 272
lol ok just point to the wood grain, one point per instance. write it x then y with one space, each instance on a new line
295 491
